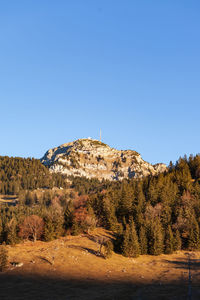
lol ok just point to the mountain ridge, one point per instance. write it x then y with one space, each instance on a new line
94 159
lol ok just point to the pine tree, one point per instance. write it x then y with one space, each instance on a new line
11 232
130 245
49 233
177 241
117 243
143 240
108 211
68 215
194 241
125 243
169 239
156 244
125 204
58 222
134 244
138 206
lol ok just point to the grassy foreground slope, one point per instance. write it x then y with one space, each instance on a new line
69 268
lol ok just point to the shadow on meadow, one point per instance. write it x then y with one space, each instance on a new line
29 286
183 263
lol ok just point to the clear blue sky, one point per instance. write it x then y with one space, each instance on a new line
71 67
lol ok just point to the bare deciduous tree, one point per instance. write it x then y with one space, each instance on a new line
101 240
32 228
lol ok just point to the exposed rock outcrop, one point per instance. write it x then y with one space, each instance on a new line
93 159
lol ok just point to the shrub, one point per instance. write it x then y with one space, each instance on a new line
108 248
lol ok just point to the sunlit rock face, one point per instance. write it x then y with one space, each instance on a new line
94 159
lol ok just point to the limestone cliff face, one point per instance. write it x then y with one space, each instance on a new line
93 159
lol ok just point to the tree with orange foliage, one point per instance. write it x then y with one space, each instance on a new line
83 218
32 228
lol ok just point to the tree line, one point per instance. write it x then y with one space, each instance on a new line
155 215
18 174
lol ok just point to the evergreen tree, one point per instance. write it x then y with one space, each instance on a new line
134 244
49 230
58 224
166 215
138 207
169 240
53 225
125 204
156 243
11 232
130 246
125 243
183 175
68 215
143 240
177 241
108 211
193 240
119 237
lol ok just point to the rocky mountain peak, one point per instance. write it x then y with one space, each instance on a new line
94 159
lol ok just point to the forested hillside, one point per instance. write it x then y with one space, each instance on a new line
157 214
25 173
153 215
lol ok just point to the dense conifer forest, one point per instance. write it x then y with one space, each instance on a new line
18 174
154 215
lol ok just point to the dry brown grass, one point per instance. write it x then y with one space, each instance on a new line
69 268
